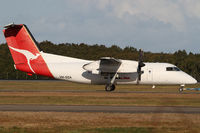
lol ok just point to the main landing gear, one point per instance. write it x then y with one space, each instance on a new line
110 87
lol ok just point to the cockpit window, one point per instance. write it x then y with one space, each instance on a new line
176 69
169 68
172 69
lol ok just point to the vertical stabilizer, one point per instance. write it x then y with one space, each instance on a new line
24 50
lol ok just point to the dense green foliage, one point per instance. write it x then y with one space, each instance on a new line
189 63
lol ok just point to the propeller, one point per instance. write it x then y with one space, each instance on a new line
140 65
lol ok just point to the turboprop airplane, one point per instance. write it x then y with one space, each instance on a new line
108 71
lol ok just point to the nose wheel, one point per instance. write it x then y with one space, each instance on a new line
181 88
110 87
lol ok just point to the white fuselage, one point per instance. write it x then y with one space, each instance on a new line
71 69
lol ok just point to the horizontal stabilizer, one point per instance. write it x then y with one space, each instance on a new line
10 25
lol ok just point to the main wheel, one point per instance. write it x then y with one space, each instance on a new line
110 87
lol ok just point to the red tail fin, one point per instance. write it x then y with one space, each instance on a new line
24 50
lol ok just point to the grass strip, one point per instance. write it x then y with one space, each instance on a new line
93 100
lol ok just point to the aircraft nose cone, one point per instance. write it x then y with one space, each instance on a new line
191 80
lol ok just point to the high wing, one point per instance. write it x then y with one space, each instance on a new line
104 65
109 64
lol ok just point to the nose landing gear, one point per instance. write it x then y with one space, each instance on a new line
181 88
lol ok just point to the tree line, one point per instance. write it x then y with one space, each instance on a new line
188 62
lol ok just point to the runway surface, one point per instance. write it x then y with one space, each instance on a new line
104 109
101 91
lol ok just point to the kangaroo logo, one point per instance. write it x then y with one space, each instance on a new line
29 56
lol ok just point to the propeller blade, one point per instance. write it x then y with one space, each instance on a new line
140 64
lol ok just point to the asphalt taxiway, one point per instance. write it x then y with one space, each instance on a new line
104 109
